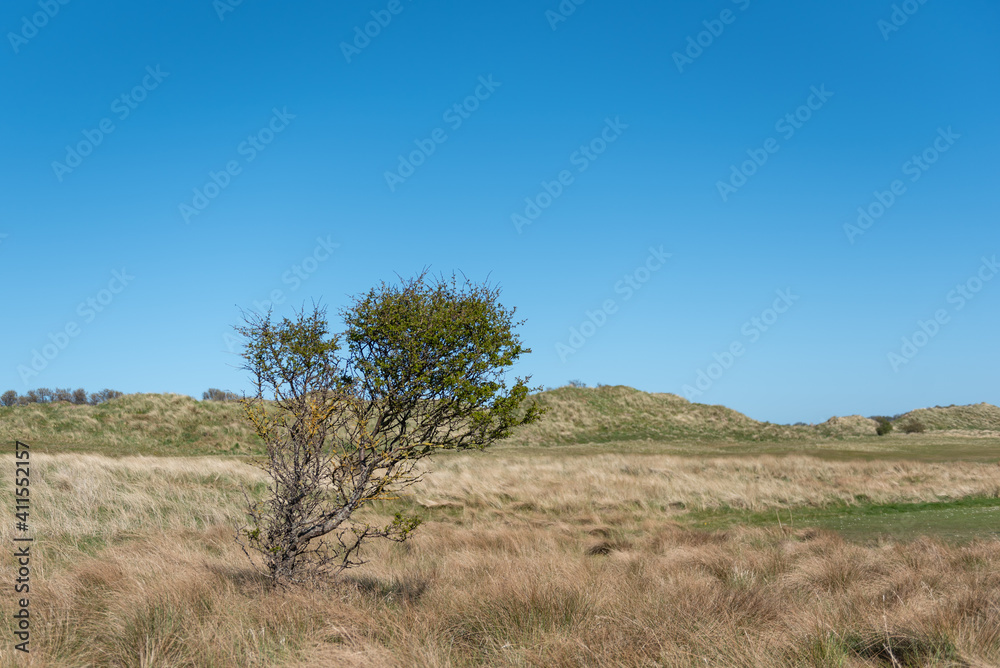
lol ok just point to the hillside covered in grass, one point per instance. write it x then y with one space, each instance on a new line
155 424
981 417
173 424
619 413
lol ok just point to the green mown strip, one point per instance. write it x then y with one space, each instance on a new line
953 520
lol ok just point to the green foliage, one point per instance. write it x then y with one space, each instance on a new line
914 427
421 369
439 350
884 425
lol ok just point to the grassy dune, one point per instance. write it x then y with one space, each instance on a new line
147 424
630 420
983 417
619 413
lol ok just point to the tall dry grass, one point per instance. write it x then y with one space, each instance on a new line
559 484
532 562
82 500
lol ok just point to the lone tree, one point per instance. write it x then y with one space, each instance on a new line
346 418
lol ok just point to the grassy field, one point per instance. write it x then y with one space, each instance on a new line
802 547
545 558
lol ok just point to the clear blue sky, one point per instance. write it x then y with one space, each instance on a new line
613 120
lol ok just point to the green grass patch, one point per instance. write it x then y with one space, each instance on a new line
883 648
956 520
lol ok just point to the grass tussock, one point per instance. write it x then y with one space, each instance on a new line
749 597
182 598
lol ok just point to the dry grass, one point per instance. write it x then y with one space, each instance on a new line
85 501
557 484
542 561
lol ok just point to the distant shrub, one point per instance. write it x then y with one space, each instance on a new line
577 383
44 395
914 427
215 394
884 425
62 394
102 396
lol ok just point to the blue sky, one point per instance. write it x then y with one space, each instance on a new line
668 194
